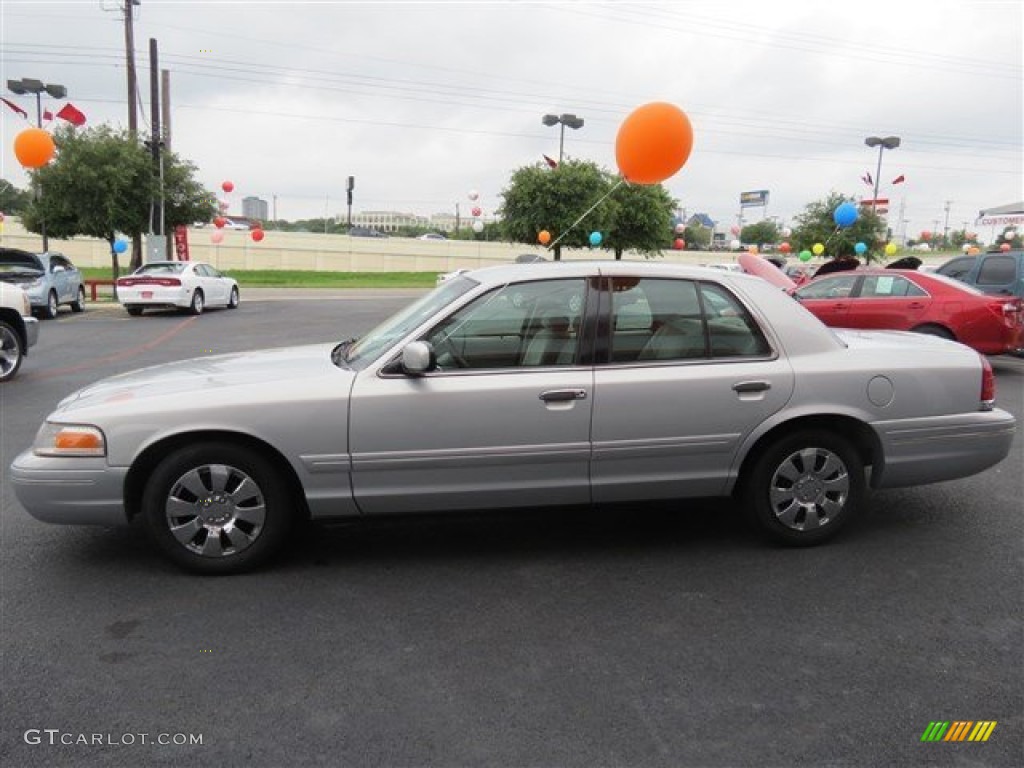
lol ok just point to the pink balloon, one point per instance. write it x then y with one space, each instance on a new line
476 210
216 237
735 230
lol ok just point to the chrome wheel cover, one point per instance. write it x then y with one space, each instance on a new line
215 510
10 351
809 489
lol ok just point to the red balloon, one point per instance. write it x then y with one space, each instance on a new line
34 147
926 235
476 210
785 248
227 186
257 235
219 222
653 142
679 244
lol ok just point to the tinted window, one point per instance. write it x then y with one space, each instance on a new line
957 268
997 270
732 331
889 286
162 268
838 287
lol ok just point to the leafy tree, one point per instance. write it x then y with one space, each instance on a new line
697 238
102 183
540 198
641 218
816 225
763 232
12 199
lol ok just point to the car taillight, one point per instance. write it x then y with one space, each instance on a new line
988 385
166 282
1013 313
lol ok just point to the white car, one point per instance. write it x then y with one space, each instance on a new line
190 285
18 329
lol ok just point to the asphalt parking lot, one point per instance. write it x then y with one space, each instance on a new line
636 636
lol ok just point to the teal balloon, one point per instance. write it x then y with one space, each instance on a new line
845 215
806 255
595 238
860 248
120 246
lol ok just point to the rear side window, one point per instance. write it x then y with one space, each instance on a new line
997 270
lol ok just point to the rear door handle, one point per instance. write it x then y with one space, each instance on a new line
751 386
562 395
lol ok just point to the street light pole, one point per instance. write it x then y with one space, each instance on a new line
890 142
564 120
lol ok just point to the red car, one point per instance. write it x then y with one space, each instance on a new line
907 300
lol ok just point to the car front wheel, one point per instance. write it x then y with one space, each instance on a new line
217 508
804 487
11 351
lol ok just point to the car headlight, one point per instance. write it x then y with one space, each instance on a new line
69 440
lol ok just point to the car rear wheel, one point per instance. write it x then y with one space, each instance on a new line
52 305
11 351
934 330
133 311
804 487
217 508
79 303
233 299
196 307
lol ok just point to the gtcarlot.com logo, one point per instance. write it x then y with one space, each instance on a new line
958 730
55 736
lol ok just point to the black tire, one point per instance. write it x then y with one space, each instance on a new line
133 311
233 299
934 330
12 351
52 305
230 529
804 487
78 305
196 307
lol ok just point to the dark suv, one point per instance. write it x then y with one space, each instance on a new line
997 273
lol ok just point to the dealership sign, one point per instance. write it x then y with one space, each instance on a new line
996 220
756 199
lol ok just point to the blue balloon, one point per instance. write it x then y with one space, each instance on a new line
120 246
845 215
860 248
595 238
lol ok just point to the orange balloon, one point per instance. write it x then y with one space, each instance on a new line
653 142
751 249
34 147
544 237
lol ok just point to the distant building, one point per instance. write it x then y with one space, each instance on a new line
255 208
388 221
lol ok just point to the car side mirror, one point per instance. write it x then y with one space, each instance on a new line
418 358
57 268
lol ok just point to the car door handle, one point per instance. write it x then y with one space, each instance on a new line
751 386
562 395
840 305
915 305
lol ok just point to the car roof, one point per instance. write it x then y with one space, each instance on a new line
512 273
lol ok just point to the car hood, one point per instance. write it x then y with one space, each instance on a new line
286 370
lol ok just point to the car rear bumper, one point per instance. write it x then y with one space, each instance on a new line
920 451
154 296
70 491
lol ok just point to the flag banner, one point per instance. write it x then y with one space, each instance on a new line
899 179
866 178
551 163
72 114
15 107
47 114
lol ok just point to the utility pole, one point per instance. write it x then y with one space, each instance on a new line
133 119
165 106
155 243
275 207
945 229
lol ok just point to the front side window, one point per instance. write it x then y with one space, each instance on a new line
518 325
957 268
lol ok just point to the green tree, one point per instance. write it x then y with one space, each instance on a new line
539 198
102 182
697 238
816 225
762 233
641 218
12 199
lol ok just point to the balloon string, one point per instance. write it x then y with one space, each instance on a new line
587 213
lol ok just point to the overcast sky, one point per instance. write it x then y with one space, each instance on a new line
424 101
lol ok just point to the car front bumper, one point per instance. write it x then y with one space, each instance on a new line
31 331
920 451
70 491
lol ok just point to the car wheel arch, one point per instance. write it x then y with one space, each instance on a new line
147 460
934 329
863 438
15 320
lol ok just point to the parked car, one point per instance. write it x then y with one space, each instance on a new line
49 279
432 236
910 300
999 273
365 232
18 329
191 285
522 386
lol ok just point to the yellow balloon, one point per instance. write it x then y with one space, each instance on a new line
818 249
890 249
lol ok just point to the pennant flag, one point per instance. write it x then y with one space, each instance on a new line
899 179
551 163
866 178
47 114
70 113
15 107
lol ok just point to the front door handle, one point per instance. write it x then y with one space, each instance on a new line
751 386
562 395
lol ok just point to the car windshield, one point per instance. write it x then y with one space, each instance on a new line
162 268
364 351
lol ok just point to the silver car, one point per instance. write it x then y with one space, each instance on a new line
523 386
49 279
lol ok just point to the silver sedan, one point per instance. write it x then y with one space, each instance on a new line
523 386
